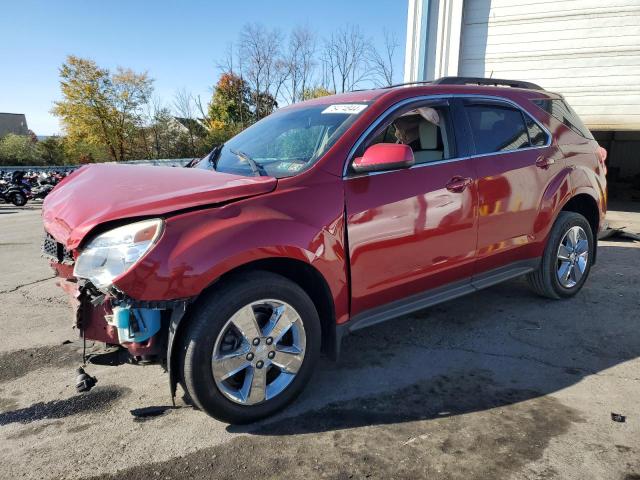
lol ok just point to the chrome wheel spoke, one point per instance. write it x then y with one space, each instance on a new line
572 257
228 365
572 236
564 271
257 385
582 247
576 273
251 364
563 252
581 263
245 321
280 322
288 359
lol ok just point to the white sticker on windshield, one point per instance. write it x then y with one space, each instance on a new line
350 108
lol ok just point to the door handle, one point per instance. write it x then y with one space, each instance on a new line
458 184
544 162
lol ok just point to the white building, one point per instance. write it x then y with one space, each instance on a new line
586 50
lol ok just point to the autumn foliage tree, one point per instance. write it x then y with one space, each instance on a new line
111 115
231 102
101 108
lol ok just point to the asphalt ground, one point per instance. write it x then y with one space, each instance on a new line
500 384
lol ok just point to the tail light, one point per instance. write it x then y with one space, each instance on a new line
602 156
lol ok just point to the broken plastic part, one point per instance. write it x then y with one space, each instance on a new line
135 324
616 417
141 414
84 382
618 233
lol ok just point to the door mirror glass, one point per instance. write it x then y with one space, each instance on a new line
384 156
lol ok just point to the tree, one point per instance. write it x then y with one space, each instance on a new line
263 68
187 108
231 101
100 108
18 150
316 92
162 130
51 151
81 151
345 59
381 64
300 63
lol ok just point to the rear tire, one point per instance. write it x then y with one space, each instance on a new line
567 258
269 328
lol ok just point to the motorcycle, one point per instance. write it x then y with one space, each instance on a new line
10 193
40 191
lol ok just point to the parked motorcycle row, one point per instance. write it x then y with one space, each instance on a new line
18 187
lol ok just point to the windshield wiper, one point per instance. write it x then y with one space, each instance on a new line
256 168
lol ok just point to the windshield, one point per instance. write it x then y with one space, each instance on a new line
284 143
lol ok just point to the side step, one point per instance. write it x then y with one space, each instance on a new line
438 295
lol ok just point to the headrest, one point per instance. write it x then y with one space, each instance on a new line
428 135
407 129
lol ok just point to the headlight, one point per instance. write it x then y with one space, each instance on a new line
112 253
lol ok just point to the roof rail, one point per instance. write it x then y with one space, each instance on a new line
416 82
486 81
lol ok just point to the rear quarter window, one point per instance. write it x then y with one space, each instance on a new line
562 111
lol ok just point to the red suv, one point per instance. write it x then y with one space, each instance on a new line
326 217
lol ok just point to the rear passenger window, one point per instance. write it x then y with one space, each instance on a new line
497 128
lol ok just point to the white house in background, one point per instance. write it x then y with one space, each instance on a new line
586 50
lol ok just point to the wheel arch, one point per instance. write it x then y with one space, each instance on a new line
587 206
309 278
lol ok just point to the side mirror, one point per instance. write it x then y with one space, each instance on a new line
384 156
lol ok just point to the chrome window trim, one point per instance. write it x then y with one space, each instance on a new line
407 101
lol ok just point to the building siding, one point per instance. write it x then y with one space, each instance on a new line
587 50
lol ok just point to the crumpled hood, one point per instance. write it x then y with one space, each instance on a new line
99 193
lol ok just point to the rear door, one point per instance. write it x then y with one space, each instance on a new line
414 229
514 161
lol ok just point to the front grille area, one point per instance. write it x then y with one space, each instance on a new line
55 251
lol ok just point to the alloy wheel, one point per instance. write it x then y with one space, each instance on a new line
258 352
572 257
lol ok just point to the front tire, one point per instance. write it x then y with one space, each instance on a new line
567 258
19 199
250 347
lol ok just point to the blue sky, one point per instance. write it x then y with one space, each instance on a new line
177 42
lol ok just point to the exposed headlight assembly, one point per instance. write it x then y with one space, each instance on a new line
112 253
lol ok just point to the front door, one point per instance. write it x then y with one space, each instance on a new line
413 229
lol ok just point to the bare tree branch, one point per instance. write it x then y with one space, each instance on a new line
381 64
261 51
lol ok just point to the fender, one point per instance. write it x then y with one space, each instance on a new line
199 247
555 196
195 250
569 183
585 181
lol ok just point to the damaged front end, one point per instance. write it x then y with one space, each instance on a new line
130 330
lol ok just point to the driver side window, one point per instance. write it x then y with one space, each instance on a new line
425 129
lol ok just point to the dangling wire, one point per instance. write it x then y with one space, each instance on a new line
84 349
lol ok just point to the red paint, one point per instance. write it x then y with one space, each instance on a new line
408 233
373 238
384 156
101 193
